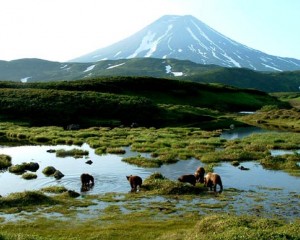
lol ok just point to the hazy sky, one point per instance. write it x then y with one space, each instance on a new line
60 30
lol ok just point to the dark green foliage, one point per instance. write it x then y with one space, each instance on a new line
62 107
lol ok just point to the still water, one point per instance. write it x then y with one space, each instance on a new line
110 172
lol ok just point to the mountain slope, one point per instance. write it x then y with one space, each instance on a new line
187 38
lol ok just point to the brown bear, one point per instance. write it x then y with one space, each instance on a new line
189 178
211 180
135 182
87 180
199 174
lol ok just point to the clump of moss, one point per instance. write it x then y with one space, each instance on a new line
229 155
5 161
49 170
100 150
27 198
71 193
143 162
21 168
115 150
29 176
287 162
17 169
76 153
54 189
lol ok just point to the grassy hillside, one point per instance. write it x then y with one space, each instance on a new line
123 100
37 70
246 78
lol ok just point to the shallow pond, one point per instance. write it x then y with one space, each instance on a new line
110 172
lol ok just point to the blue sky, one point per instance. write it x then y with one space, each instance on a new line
60 30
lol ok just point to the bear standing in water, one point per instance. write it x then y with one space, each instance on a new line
211 180
199 174
87 182
135 182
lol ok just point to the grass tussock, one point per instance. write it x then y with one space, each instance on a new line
287 162
143 162
24 199
29 176
54 189
274 118
76 153
156 183
5 161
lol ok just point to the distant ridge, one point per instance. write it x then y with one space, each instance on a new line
187 38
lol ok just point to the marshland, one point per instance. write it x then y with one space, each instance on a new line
173 135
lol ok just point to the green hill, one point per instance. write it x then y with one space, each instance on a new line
124 100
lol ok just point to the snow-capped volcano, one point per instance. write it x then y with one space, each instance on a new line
187 38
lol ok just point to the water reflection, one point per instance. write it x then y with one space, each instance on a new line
240 132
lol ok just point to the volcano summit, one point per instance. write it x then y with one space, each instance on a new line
187 38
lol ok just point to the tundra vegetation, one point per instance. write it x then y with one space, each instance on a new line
162 209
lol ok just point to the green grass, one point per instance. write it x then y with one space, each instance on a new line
115 101
143 162
139 226
281 119
165 145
